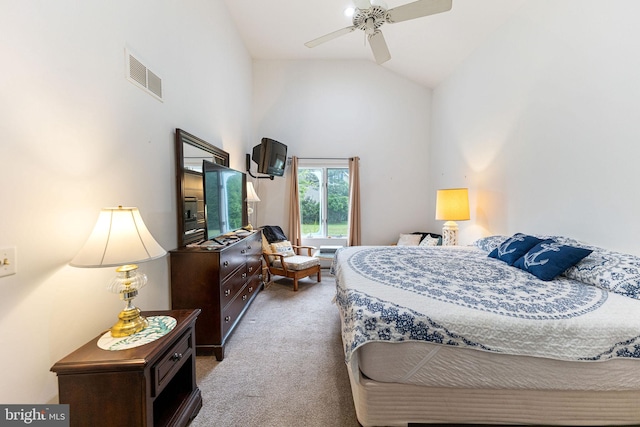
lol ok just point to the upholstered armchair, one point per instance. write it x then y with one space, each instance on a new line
292 261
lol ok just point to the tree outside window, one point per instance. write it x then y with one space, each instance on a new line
324 201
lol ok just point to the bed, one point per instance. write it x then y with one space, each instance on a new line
452 335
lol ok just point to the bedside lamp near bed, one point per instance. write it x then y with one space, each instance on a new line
452 204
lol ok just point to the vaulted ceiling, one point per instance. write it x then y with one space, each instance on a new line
425 50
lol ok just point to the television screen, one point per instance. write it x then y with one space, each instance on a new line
271 157
225 192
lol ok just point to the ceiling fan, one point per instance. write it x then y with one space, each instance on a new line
370 15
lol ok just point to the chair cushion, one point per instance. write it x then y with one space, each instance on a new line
266 247
297 262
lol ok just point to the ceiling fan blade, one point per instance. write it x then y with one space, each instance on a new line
379 47
330 36
417 9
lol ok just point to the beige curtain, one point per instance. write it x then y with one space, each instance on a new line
354 237
295 233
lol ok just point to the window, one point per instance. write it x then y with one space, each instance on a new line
324 199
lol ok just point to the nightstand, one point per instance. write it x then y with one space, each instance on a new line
150 385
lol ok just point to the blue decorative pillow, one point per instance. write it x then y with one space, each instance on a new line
514 247
549 258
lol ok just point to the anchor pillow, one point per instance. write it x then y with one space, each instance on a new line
514 247
549 258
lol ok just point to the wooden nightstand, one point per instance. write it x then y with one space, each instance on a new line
150 385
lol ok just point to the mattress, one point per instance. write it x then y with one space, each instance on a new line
435 365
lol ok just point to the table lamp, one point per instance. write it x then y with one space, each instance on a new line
452 205
121 239
252 197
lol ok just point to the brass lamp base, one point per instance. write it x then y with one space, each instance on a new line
129 323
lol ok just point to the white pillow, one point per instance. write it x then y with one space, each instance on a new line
429 241
409 240
282 248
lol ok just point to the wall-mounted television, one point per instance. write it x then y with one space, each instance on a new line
225 192
271 157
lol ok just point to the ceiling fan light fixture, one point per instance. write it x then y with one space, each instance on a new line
348 12
379 3
362 4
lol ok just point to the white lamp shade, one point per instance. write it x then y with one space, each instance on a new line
252 196
119 237
452 204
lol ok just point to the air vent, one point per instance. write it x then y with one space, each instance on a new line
154 84
141 76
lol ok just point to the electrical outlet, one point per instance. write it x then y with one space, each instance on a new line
8 262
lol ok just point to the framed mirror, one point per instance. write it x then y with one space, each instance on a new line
190 152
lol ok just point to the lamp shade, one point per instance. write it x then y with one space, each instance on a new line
119 237
252 196
452 204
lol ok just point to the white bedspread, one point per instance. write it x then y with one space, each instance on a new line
459 296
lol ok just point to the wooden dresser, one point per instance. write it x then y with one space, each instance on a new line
221 282
150 385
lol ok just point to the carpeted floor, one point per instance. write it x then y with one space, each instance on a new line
283 365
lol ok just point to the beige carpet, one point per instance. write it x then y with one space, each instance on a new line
283 365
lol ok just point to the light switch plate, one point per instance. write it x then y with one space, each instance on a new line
8 262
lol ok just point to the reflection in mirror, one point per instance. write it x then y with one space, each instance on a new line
190 152
193 156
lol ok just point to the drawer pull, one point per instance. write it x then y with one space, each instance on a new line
250 269
227 319
226 263
243 251
244 275
244 297
249 247
176 357
250 288
227 292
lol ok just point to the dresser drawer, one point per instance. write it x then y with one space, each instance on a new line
232 285
254 246
173 359
232 258
233 310
253 266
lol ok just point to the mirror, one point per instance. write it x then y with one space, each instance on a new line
190 152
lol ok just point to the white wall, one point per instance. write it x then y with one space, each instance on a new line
542 124
77 136
345 109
